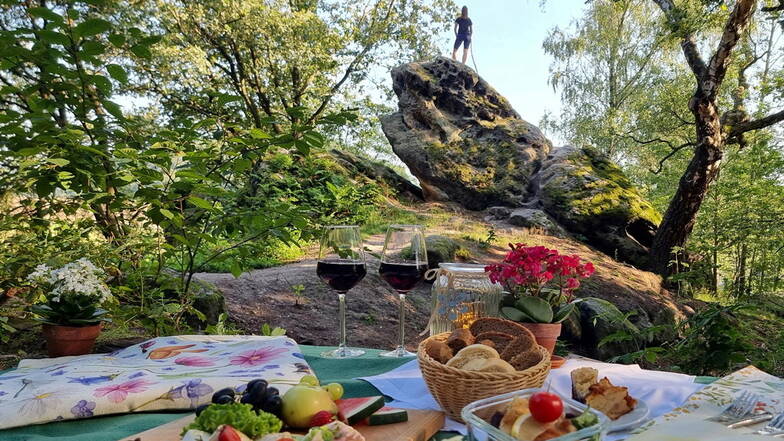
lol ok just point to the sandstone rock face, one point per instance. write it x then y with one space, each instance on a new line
466 144
591 197
379 173
461 138
533 218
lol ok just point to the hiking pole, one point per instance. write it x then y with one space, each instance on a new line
473 45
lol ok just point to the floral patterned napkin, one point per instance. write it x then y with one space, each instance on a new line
163 373
689 422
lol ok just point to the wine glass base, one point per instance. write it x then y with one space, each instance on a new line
397 353
343 353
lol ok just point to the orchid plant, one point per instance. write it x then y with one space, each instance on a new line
540 283
71 295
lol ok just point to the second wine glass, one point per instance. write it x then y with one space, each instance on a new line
403 266
341 265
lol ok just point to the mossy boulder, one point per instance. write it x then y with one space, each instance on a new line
533 218
600 319
461 138
592 198
440 249
207 298
379 173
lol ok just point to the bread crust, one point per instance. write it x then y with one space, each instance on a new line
499 339
460 338
439 351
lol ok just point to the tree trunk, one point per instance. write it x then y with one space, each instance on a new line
681 214
740 280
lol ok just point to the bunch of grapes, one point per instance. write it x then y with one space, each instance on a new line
256 393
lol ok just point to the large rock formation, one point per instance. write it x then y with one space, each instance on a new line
460 137
465 143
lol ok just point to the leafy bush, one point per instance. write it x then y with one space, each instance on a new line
713 342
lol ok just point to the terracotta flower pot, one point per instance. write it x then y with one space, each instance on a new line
546 334
70 340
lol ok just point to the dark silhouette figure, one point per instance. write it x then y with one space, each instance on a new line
463 31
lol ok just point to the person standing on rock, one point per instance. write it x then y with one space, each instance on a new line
463 30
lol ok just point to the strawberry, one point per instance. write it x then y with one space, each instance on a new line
320 418
229 433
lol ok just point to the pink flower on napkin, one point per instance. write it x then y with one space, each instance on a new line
255 357
194 361
119 392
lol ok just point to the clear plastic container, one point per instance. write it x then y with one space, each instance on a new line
477 417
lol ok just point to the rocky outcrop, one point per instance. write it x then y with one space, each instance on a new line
592 198
460 137
533 218
466 144
379 173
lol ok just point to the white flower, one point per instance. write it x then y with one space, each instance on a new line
80 277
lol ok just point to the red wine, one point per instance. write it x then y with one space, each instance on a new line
340 276
402 276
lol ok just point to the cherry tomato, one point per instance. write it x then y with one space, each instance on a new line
228 433
545 407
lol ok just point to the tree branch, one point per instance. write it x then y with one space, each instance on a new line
738 20
673 151
757 124
688 43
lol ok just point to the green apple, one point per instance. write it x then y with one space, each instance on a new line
301 402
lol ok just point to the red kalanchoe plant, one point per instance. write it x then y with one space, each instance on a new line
540 282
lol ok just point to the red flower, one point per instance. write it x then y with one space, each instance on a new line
528 269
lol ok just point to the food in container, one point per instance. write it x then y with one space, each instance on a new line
508 417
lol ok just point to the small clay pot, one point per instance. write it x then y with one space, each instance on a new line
70 340
556 361
546 334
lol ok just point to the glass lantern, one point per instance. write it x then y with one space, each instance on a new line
461 293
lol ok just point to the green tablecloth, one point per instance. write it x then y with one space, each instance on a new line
111 428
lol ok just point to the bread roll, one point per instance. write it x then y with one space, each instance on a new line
459 339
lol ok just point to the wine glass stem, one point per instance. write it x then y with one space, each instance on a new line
342 312
402 322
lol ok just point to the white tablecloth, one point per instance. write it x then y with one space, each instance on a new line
661 391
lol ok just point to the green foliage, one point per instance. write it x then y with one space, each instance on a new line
222 327
714 341
5 330
299 293
269 331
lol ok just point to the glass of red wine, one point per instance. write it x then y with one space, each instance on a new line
403 266
341 265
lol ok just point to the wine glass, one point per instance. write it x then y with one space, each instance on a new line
403 265
341 265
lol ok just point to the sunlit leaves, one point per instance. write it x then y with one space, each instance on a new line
92 26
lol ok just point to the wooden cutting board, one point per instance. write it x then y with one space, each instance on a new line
421 425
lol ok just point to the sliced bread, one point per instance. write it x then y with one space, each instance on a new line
499 339
525 360
495 324
522 343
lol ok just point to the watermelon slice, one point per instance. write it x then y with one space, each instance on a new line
387 415
354 410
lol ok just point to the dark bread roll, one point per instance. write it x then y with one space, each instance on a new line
459 339
439 351
499 339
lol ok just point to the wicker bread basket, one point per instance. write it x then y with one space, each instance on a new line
454 388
